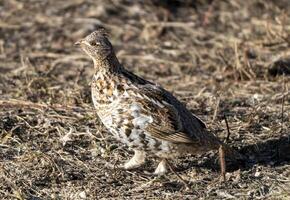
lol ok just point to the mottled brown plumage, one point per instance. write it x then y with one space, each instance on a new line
139 113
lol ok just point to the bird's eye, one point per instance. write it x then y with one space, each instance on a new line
93 43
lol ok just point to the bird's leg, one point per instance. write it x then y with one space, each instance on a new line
161 168
137 160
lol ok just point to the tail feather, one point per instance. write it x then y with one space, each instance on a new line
230 154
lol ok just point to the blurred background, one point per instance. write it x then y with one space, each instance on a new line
218 57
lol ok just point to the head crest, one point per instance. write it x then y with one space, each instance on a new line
101 31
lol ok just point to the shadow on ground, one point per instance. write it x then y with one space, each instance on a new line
272 152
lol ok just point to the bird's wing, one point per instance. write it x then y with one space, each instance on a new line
165 123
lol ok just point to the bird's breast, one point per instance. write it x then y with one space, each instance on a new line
104 90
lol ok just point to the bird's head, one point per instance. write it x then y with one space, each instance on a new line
96 45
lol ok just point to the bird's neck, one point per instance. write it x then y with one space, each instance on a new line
108 64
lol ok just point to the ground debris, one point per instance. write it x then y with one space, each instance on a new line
218 62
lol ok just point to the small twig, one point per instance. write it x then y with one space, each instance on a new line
144 185
38 106
228 129
226 62
208 14
216 109
222 163
179 177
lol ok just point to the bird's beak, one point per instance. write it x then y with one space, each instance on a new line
79 42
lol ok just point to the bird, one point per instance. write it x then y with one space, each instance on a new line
141 114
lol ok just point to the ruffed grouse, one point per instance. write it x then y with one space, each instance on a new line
141 114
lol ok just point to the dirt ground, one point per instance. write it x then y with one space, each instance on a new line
218 57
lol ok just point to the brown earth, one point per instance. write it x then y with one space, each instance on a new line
218 57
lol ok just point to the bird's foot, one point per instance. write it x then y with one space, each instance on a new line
137 160
161 168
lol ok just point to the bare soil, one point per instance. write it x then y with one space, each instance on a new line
218 57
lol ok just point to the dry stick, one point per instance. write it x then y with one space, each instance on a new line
222 153
208 14
222 163
216 109
228 129
179 177
39 106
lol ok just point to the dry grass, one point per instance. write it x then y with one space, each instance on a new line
214 55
